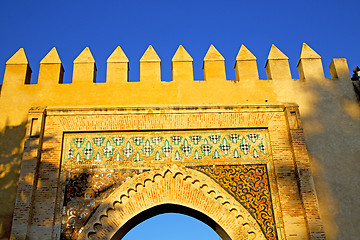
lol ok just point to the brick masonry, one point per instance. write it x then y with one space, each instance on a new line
45 193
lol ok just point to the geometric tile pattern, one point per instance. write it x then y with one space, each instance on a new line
176 146
249 184
84 190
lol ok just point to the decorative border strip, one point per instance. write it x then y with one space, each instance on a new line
158 147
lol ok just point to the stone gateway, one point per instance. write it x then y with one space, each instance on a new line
99 158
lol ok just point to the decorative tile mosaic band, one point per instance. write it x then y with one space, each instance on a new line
177 146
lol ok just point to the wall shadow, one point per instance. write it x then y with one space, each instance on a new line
11 152
10 159
332 133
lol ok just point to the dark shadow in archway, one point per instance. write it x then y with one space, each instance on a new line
169 208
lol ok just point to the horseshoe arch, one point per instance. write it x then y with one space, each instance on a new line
171 189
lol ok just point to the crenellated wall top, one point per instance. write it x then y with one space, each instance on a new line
277 65
214 89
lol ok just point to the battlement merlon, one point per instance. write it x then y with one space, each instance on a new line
277 66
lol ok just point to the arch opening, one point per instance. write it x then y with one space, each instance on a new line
169 208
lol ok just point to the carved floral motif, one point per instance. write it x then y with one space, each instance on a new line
84 191
249 184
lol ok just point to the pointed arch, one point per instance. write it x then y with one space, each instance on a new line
176 189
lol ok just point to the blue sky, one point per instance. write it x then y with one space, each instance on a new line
171 226
330 27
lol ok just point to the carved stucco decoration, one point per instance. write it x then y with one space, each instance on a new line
173 185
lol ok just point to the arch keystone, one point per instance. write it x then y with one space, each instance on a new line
150 69
84 68
309 64
277 65
117 67
245 65
51 69
182 65
214 65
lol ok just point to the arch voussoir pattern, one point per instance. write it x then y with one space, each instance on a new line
181 186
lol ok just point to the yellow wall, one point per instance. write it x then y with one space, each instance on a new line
328 107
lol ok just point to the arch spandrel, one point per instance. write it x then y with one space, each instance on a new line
171 185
